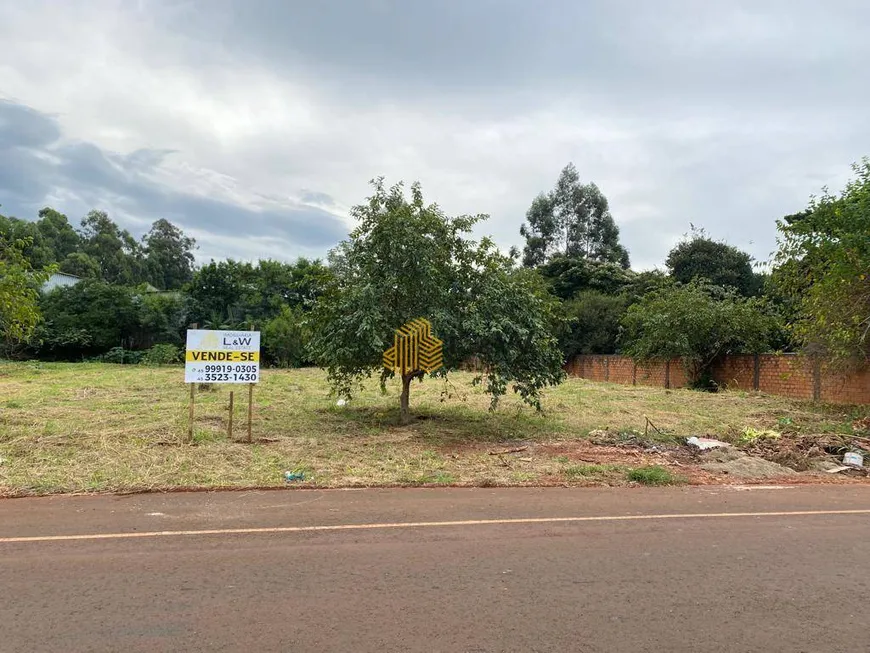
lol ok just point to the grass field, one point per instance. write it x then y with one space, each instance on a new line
98 427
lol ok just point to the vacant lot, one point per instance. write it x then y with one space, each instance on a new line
98 427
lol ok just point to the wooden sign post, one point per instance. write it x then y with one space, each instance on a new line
190 417
250 409
230 423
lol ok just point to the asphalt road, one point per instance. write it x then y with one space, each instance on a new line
551 569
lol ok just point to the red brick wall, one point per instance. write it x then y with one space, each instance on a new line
735 372
789 375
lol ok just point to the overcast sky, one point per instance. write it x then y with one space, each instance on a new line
256 124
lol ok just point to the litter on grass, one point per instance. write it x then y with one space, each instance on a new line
853 458
705 443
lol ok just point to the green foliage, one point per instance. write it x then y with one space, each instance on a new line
573 219
592 323
569 275
750 436
119 256
88 318
407 260
654 475
823 267
286 337
19 308
163 317
169 255
120 356
162 354
101 250
700 257
231 292
81 265
697 324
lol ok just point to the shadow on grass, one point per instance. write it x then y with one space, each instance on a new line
447 425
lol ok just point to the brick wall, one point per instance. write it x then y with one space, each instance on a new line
789 375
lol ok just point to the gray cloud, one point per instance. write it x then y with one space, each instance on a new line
275 113
34 160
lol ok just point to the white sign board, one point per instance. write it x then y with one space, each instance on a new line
222 357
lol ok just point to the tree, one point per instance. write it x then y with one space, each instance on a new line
218 291
696 323
573 219
700 257
569 275
163 318
81 265
58 234
593 323
406 260
90 317
286 337
168 255
823 266
19 309
117 253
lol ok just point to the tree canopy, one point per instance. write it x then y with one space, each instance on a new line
823 265
407 260
101 250
168 255
19 310
701 257
696 323
572 219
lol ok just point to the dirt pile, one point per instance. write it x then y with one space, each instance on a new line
737 464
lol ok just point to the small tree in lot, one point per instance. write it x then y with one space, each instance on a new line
406 260
697 324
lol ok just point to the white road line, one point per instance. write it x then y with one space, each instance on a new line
422 524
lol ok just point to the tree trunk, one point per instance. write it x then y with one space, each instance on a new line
404 411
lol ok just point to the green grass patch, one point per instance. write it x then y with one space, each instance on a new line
654 475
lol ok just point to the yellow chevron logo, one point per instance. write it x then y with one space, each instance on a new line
414 349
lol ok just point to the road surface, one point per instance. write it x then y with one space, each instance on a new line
453 570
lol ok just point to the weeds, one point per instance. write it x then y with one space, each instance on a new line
654 475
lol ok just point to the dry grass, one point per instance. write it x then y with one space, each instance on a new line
98 427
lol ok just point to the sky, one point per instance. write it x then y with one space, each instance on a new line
256 124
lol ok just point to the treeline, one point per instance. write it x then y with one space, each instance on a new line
709 300
138 294
101 250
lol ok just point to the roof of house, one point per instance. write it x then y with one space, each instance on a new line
60 280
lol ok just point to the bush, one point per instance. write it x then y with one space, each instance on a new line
592 323
285 338
696 323
164 354
105 317
120 356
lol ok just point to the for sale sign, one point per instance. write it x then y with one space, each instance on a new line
222 356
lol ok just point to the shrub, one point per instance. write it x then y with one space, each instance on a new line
164 354
285 338
696 323
592 323
120 356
